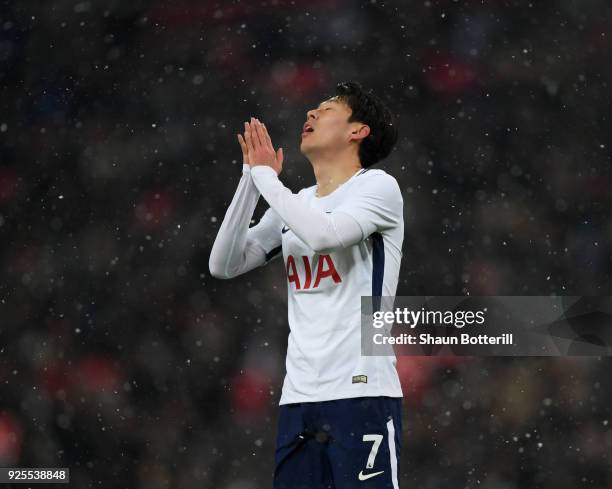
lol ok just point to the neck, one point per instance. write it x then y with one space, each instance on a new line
333 172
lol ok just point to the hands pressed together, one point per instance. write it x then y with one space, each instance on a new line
257 149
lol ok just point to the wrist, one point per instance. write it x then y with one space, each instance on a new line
263 169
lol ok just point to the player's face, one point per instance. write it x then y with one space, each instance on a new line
329 127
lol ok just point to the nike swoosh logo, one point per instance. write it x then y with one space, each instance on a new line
365 477
285 229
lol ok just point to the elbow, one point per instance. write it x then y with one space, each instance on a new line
221 276
217 270
323 245
322 250
323 240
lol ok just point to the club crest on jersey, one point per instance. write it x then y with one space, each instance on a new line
325 270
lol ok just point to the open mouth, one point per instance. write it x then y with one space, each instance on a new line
307 130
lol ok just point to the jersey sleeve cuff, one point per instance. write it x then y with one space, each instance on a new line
263 171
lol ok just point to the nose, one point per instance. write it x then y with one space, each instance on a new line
311 113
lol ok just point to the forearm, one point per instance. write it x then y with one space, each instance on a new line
231 253
320 231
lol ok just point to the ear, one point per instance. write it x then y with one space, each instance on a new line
360 133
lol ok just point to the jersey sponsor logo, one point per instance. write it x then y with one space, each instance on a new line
325 270
365 477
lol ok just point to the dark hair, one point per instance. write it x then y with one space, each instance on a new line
369 109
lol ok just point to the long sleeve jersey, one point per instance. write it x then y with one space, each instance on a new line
336 249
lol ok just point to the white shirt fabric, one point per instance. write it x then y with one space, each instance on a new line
336 249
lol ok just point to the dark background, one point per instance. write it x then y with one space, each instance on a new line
123 359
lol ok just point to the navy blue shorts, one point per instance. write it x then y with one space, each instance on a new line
340 444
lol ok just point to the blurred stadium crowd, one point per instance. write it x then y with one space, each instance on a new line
122 359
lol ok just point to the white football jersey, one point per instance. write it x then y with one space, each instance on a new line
324 359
